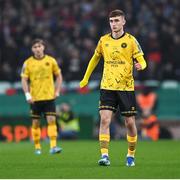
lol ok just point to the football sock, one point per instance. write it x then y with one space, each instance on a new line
131 145
36 135
104 143
52 133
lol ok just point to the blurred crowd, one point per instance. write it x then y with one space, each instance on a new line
72 29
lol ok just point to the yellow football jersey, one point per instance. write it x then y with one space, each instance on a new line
40 74
118 55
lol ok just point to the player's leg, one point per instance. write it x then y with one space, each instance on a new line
52 133
36 135
127 104
104 136
107 106
131 138
50 113
35 129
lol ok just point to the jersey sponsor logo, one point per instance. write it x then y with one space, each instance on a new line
116 62
124 45
115 55
115 59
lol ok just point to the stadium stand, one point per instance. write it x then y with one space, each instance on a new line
72 29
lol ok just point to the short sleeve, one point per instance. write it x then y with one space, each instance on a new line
25 70
137 51
56 69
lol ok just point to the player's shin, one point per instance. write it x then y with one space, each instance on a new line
52 133
132 140
104 140
36 135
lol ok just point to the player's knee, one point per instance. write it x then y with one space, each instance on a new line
35 123
130 121
51 119
105 120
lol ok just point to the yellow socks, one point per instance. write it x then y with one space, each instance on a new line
131 145
36 136
104 143
52 133
104 140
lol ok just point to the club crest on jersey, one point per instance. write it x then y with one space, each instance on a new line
106 45
123 45
47 64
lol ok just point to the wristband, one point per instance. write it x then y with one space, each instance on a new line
28 96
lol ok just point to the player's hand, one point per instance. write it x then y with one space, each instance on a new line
29 98
138 66
30 101
83 83
56 94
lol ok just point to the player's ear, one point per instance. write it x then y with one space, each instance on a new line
44 47
32 50
124 21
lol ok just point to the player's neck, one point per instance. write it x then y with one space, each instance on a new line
118 34
39 57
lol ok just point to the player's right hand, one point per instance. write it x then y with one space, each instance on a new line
83 83
30 101
138 66
29 98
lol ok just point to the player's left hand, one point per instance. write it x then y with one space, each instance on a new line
138 66
83 83
56 94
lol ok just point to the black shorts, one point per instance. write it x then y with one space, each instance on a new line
126 101
45 108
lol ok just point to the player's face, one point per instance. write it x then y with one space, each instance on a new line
117 23
38 49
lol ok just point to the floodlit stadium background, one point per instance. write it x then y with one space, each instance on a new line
72 29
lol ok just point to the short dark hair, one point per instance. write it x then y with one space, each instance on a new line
116 12
37 40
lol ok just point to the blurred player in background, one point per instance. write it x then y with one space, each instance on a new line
40 91
120 51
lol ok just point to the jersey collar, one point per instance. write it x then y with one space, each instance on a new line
118 37
39 58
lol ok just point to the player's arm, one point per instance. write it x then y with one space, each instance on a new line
140 63
91 66
58 84
25 86
58 76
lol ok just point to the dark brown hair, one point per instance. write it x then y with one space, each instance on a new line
116 12
41 41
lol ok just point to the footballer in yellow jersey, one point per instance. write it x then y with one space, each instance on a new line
118 57
37 76
121 53
40 73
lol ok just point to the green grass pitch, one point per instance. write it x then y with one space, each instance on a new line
79 160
